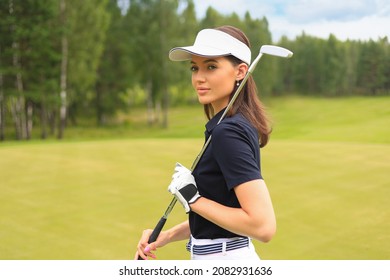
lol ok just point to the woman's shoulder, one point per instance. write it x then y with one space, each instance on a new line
237 120
236 124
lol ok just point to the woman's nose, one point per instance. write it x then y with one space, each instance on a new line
199 77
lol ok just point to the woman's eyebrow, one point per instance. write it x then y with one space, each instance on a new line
206 61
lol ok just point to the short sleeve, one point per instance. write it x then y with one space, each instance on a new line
237 152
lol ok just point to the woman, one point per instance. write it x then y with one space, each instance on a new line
226 197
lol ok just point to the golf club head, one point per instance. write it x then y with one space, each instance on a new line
275 51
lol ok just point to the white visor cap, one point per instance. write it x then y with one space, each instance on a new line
212 43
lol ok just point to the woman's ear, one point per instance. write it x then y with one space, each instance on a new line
242 68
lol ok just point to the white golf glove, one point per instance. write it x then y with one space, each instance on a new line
183 187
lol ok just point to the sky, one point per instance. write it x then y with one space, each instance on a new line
346 19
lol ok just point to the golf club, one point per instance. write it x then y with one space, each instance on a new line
265 49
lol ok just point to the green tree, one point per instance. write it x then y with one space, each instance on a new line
113 72
334 67
386 71
284 70
2 100
352 50
14 46
149 48
371 73
182 34
43 73
258 34
307 64
4 63
28 55
87 23
212 19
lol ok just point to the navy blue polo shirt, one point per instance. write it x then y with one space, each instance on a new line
232 158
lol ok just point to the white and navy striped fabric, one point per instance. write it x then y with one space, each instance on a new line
207 249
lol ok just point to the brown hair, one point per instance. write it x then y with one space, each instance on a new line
247 102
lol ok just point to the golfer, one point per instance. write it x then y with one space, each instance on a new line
225 196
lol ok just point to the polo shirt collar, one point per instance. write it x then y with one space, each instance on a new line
213 122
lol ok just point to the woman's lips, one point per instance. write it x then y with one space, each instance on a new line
202 90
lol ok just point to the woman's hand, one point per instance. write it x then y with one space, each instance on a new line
146 250
183 187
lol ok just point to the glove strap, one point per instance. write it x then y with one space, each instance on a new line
188 192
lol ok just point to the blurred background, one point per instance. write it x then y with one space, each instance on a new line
96 74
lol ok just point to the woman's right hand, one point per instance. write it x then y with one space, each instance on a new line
146 250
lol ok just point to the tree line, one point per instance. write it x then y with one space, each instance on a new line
66 60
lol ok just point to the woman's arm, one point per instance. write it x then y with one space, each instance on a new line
179 232
255 218
176 233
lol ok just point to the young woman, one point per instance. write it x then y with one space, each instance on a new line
226 197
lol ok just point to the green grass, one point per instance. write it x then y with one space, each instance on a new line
326 166
354 119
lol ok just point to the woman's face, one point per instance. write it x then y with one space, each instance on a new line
214 79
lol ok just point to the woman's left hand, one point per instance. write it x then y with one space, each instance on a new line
183 187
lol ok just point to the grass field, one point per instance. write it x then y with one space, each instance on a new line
327 168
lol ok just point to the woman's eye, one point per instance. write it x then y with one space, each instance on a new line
211 67
193 68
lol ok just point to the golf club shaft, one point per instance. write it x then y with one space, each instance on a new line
161 222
